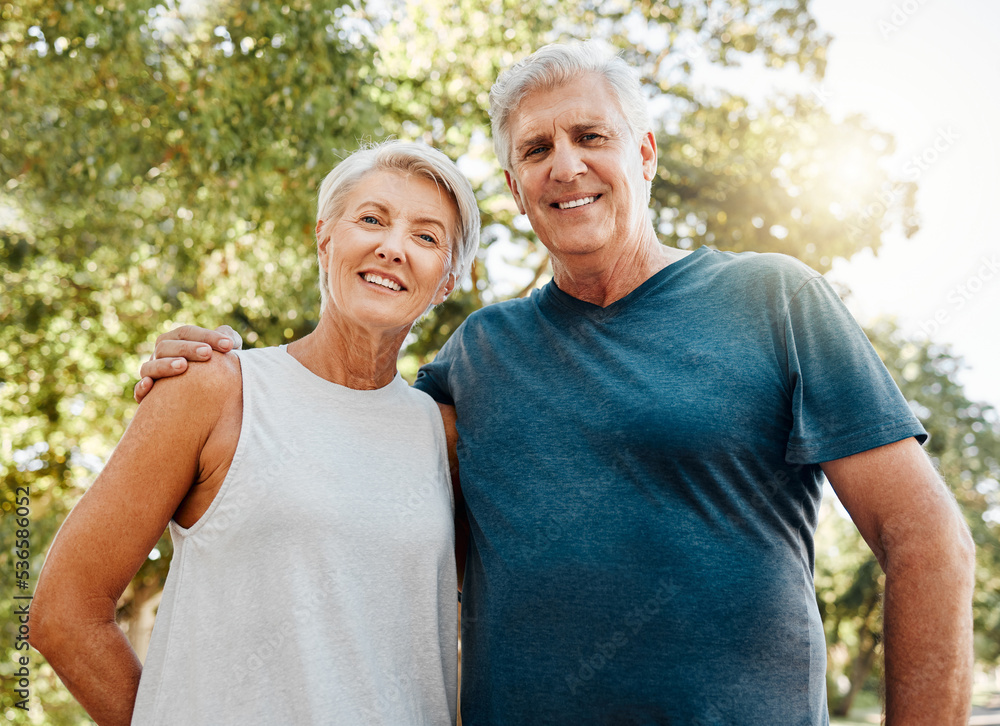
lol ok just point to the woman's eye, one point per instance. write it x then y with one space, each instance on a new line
428 238
369 219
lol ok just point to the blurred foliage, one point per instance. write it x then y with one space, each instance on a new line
785 178
159 163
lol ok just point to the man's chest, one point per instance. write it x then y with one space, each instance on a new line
663 389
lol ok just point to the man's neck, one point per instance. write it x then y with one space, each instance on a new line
600 283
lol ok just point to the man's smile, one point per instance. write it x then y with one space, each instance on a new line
576 202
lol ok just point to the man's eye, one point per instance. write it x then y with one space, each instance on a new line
535 151
591 137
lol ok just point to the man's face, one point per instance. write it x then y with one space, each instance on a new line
578 174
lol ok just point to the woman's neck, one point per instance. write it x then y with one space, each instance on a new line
348 355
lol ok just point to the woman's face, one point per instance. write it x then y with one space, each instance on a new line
388 255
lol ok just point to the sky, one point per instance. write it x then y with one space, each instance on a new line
927 71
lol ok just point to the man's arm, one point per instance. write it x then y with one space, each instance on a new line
173 350
910 520
110 533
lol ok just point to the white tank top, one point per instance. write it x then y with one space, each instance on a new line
319 587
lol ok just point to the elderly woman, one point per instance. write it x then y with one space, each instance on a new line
307 493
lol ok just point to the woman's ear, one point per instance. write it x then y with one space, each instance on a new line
446 287
322 241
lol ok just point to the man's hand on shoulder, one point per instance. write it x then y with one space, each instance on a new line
173 350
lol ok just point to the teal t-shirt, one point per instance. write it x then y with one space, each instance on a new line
642 484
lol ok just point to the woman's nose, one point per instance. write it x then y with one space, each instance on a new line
391 248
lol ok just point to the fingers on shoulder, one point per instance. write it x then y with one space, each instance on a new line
228 334
185 332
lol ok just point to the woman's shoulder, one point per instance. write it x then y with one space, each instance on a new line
204 383
223 369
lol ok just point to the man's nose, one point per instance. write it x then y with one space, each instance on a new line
567 162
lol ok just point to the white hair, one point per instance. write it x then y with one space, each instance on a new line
408 158
554 65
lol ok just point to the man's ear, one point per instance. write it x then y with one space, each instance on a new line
512 185
647 150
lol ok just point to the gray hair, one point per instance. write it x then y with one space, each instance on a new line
554 65
408 158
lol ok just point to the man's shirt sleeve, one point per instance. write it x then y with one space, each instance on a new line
843 399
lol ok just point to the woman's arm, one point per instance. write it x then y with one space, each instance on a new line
111 531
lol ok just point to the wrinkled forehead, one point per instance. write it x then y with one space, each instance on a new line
584 100
410 191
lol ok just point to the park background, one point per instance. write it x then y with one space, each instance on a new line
159 165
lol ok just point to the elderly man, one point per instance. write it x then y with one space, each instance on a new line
642 444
